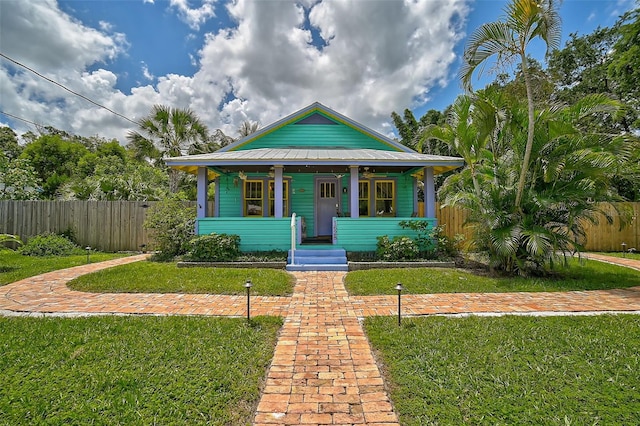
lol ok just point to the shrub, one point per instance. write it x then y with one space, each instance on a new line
432 241
214 248
50 245
172 226
9 241
399 248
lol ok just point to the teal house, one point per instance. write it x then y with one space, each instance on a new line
315 182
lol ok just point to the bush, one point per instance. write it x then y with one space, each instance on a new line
50 245
400 248
214 248
172 226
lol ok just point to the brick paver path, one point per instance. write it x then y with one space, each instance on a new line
323 371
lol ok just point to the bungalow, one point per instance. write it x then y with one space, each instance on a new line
313 180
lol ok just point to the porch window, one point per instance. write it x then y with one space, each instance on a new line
385 198
285 198
363 197
253 198
327 190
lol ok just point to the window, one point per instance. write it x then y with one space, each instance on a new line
327 190
385 198
363 197
285 198
253 198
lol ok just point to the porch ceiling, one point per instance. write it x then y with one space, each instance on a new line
311 160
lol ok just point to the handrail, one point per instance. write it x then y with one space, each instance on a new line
293 238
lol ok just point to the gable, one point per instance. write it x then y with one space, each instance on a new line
319 127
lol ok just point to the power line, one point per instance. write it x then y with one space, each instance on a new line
66 88
19 118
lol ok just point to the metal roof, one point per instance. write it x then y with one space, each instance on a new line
294 156
315 157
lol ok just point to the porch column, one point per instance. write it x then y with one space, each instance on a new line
203 187
277 188
216 199
429 193
354 188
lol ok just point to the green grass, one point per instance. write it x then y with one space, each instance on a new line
154 277
511 370
133 370
14 266
585 275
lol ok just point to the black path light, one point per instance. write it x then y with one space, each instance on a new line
88 249
624 249
248 286
399 287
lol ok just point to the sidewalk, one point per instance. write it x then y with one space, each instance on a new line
323 370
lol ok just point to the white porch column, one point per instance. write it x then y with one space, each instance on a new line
429 193
202 189
354 205
277 188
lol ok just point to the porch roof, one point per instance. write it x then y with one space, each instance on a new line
316 157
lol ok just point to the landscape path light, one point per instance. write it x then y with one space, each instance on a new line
248 286
624 249
399 287
88 249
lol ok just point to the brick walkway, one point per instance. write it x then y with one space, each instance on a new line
323 371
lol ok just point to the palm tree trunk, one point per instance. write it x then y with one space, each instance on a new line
530 133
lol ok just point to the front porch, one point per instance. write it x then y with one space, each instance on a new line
270 233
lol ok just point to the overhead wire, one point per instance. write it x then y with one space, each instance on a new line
66 88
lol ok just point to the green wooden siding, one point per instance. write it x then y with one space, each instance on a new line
316 135
302 195
256 234
361 234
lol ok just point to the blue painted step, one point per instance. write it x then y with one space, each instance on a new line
318 260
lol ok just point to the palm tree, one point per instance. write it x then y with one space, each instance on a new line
525 21
172 131
248 127
566 188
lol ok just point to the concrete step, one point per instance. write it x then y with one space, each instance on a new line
317 267
318 260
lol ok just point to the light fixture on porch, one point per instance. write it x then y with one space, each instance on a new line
242 175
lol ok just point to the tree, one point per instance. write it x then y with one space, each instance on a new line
54 160
9 143
18 179
624 68
525 21
172 131
570 177
116 179
248 127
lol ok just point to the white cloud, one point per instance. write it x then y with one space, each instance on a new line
146 73
380 56
194 17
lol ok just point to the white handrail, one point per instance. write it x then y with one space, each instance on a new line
293 238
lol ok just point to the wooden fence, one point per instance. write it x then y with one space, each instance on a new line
118 225
600 237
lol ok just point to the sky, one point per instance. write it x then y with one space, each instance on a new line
231 61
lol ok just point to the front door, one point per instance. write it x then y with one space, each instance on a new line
326 205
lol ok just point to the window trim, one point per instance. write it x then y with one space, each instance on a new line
265 180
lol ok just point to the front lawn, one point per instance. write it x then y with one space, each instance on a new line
585 275
133 370
511 370
155 277
15 266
